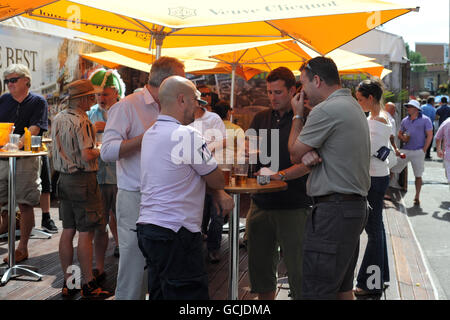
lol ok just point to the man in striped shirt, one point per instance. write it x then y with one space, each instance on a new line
75 157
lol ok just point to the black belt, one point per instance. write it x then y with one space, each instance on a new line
338 197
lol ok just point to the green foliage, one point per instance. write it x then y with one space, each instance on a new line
416 57
396 96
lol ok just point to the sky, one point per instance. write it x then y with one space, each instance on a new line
430 24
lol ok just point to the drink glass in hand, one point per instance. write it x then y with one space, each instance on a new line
406 136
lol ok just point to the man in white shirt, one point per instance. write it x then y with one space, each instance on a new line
212 128
176 168
127 121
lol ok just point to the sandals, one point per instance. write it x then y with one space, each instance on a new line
99 278
66 292
19 256
416 202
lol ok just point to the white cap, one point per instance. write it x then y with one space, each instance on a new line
413 103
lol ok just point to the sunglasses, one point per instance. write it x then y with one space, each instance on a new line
307 66
12 80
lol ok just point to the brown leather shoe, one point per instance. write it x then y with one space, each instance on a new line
19 255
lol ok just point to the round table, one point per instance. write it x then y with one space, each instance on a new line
250 187
14 270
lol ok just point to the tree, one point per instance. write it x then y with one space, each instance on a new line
415 58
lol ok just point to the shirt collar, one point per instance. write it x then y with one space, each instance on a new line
276 114
148 98
340 92
79 112
164 117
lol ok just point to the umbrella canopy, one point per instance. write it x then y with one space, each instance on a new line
368 67
437 99
17 7
249 59
323 26
114 60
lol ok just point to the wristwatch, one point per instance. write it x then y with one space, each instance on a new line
282 175
297 116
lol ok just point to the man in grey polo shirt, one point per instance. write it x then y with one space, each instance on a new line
337 129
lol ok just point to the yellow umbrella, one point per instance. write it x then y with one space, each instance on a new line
14 8
322 25
244 59
249 57
112 59
368 67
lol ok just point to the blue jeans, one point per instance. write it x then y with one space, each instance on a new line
175 264
376 249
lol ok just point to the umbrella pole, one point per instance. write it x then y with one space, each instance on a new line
233 77
159 38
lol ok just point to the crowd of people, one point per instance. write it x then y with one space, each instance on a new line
147 165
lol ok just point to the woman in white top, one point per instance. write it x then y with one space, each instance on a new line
374 270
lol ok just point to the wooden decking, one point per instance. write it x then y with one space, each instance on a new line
409 278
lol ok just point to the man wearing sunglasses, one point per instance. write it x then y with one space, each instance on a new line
337 128
24 109
211 97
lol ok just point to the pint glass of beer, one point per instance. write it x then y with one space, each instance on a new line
36 144
226 170
240 174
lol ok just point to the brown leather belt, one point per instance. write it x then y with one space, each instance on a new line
338 197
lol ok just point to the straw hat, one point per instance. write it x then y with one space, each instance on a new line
80 88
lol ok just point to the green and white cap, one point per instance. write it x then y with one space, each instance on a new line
108 79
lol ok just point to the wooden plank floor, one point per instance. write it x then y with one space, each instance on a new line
409 279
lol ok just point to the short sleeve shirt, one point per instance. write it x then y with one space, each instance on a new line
72 132
337 128
106 173
444 133
32 111
417 130
174 158
443 112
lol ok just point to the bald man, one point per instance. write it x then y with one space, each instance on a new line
176 168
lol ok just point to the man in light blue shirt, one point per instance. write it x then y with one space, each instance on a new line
430 111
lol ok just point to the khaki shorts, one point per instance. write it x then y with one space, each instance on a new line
417 159
28 189
80 202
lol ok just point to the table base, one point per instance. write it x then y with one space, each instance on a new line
233 237
35 234
20 270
